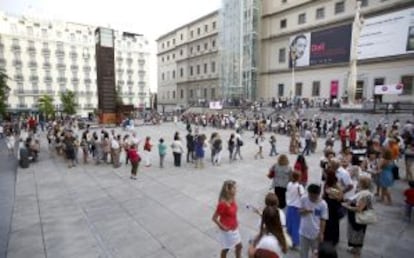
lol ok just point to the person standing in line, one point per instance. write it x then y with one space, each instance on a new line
231 146
135 160
300 165
199 151
210 143
294 192
190 146
162 151
225 217
11 142
273 151
308 141
218 146
386 178
280 174
177 149
115 150
259 142
125 146
147 151
409 160
239 144
314 214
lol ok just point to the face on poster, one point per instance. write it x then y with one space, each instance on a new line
299 45
387 35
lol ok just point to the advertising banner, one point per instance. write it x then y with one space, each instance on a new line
389 89
215 105
299 46
331 45
387 35
334 88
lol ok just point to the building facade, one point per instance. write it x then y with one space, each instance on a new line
188 68
49 57
306 45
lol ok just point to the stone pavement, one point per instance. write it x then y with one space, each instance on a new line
7 183
97 211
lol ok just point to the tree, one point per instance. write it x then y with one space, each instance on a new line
68 100
4 92
46 105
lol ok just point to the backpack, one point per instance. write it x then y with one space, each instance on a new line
239 142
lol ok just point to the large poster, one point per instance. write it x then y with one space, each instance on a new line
300 45
321 47
387 35
331 45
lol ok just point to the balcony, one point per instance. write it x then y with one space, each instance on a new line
45 52
141 73
61 66
74 55
18 78
142 94
60 53
89 93
120 71
87 81
47 65
20 105
17 63
87 69
34 78
141 61
47 79
61 79
130 72
74 81
130 83
31 50
74 68
16 48
33 64
129 61
119 59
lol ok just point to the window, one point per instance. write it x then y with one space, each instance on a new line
408 82
30 31
181 72
173 94
44 33
191 93
162 45
282 55
191 34
339 7
181 36
168 57
198 31
302 18
205 93
181 93
379 81
206 28
181 52
320 13
173 74
173 56
168 43
298 89
214 25
205 68
198 69
205 46
316 88
162 76
213 93
191 50
191 71
280 90
213 67
72 37
173 41
364 3
213 44
162 59
284 1
283 23
198 48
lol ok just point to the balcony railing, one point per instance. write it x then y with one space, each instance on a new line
46 52
33 64
74 55
31 50
141 61
130 72
129 60
89 93
18 78
87 81
130 83
47 79
21 105
16 48
87 69
74 68
17 63
47 65
88 105
61 79
60 53
120 82
34 78
74 81
61 66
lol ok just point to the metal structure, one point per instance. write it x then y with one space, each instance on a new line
239 25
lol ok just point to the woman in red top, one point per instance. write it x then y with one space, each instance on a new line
301 166
225 217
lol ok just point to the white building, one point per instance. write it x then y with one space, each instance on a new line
188 71
49 57
385 49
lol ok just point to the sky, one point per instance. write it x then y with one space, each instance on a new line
152 18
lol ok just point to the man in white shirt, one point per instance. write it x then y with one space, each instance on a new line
344 179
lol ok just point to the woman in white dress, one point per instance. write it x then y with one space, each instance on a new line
10 140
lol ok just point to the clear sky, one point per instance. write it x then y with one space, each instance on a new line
149 17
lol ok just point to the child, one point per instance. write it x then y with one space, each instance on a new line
162 151
225 218
409 200
293 194
273 146
314 213
135 159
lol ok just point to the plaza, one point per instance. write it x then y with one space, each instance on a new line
98 211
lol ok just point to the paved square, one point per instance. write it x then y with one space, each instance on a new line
97 211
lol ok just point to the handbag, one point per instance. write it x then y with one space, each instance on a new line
288 239
366 217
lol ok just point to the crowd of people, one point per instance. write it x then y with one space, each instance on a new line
353 178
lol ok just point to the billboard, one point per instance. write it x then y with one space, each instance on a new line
331 45
322 47
387 35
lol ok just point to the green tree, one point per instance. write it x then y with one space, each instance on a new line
68 100
4 92
46 105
